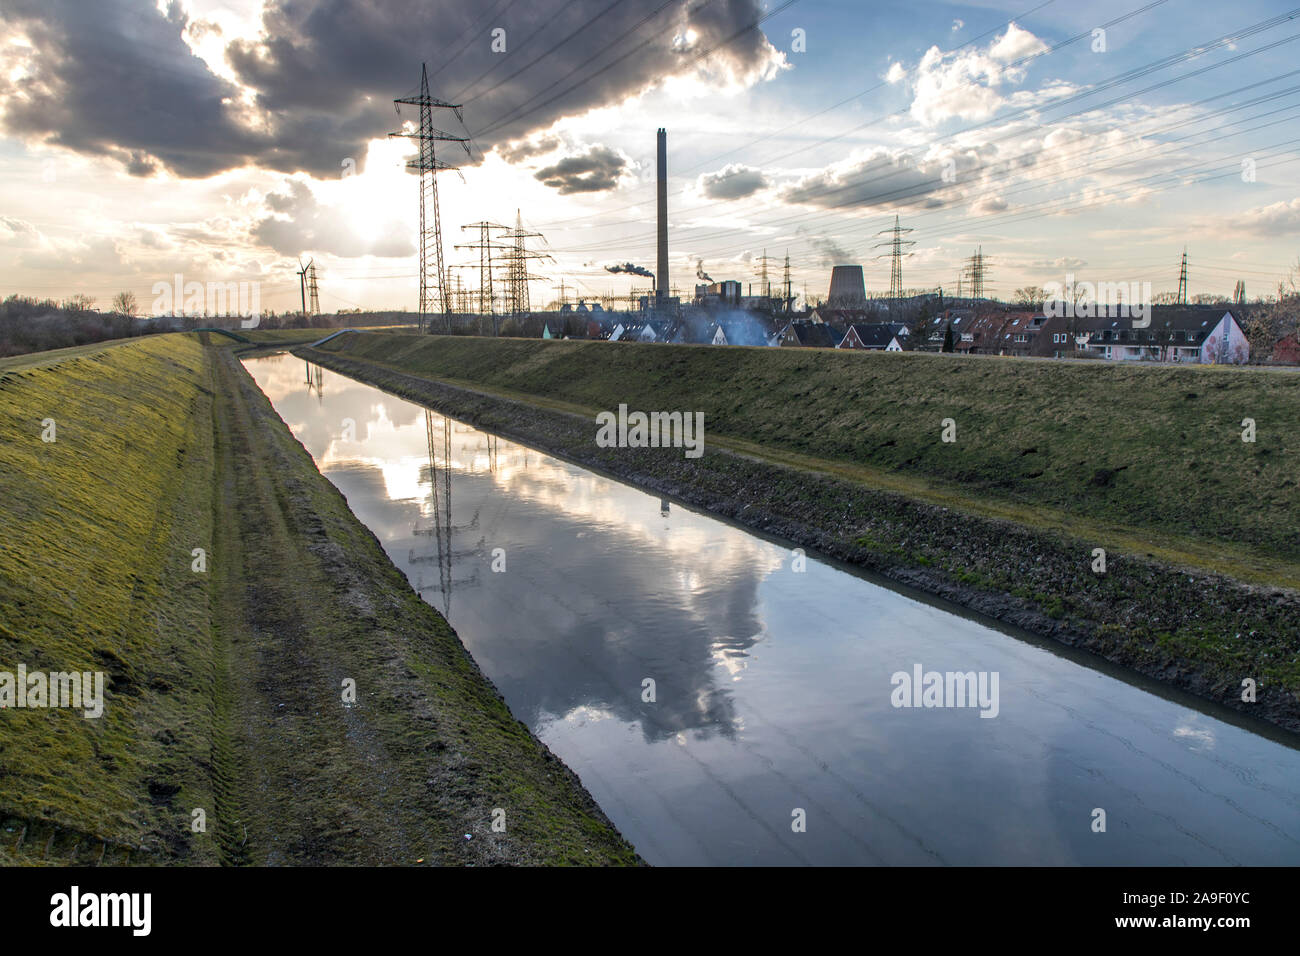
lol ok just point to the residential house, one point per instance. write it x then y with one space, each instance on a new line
1053 338
816 335
983 334
876 337
931 337
1203 335
1019 332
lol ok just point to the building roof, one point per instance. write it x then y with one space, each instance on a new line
1170 325
840 317
874 335
812 334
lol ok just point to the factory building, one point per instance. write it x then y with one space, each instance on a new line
718 294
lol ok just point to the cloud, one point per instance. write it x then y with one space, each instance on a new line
595 170
734 181
1278 219
1016 44
1060 262
297 223
91 256
520 150
12 228
987 205
967 84
879 177
115 78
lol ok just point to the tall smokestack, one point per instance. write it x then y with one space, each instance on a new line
661 285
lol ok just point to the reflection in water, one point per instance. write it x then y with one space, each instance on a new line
771 686
441 528
316 381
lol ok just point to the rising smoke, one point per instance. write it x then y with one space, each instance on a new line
631 269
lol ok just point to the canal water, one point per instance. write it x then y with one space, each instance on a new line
770 733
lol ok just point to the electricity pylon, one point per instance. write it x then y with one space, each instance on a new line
434 293
976 270
895 244
517 266
486 287
764 284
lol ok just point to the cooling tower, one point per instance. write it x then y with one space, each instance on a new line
848 290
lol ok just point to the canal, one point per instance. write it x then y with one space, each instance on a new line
727 701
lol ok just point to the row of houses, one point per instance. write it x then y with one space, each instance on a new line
1200 335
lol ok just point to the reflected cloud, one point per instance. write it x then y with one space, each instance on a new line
563 627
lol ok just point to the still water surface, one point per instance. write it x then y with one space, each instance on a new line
773 687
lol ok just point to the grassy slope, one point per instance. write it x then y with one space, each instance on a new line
1142 458
95 575
225 685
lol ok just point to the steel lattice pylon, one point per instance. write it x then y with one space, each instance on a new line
434 294
895 244
517 262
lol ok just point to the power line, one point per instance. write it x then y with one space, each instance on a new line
1127 76
428 165
902 112
600 72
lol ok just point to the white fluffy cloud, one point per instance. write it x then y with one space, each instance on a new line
970 84
1278 219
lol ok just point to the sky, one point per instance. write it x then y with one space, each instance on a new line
226 140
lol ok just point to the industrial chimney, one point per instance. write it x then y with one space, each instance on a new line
661 285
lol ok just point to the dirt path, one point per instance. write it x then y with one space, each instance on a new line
307 600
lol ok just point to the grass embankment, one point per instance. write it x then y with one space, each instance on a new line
225 686
1093 447
843 452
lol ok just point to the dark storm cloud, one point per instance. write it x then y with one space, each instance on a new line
732 182
528 148
115 78
595 170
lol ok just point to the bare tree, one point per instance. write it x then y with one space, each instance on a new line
124 304
1029 296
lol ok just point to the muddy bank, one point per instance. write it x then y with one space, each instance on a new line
1199 632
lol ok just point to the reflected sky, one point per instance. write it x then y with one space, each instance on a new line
772 687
